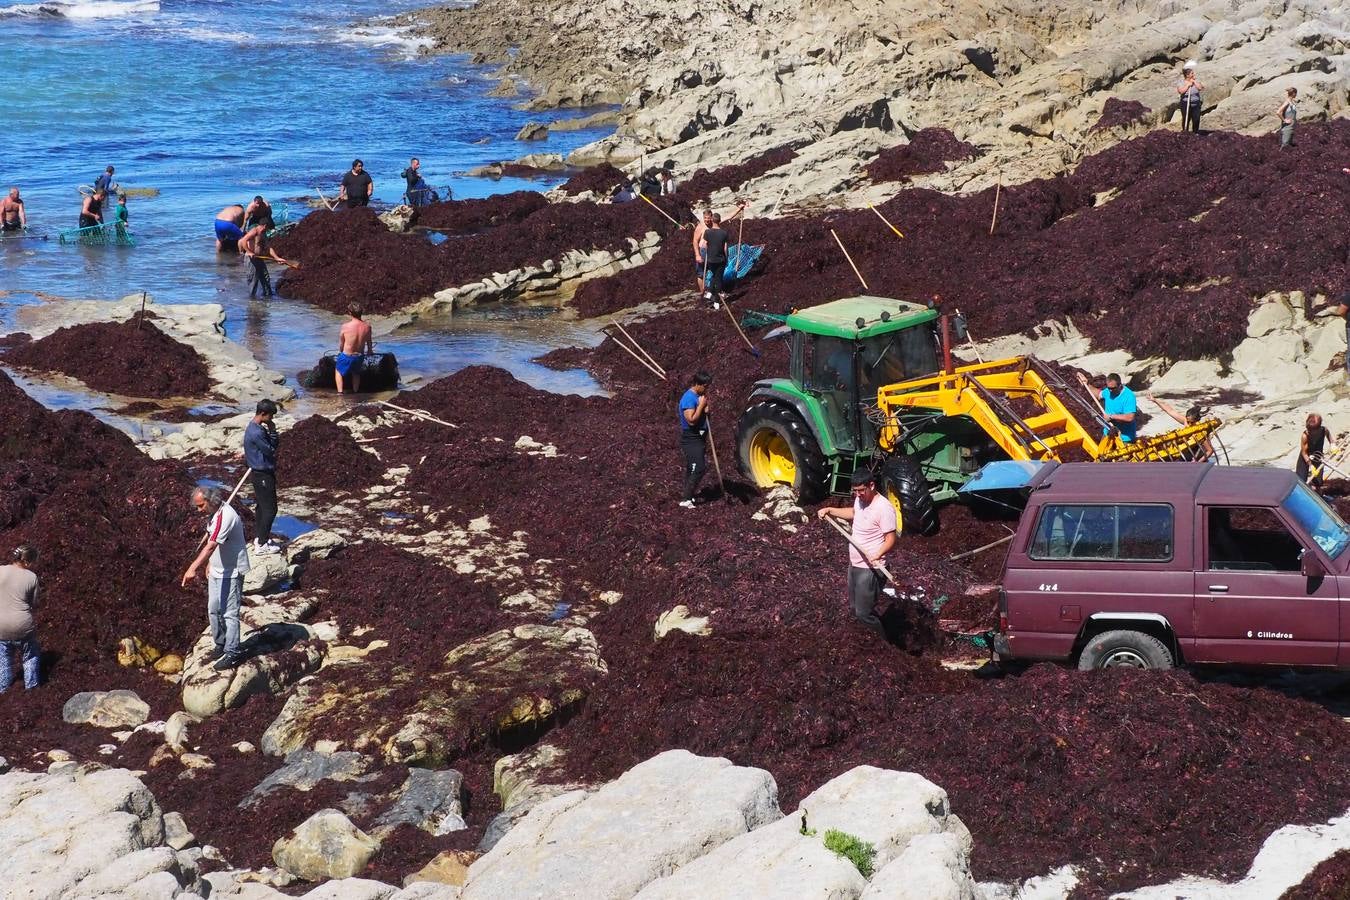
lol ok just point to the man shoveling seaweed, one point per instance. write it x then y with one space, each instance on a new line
257 249
873 536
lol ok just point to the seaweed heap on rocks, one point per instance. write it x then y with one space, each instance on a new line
1118 113
468 216
115 533
1159 245
131 358
320 453
599 179
703 183
928 151
350 256
1329 881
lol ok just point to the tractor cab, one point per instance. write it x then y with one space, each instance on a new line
843 352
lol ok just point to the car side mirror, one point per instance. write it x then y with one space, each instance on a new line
1310 564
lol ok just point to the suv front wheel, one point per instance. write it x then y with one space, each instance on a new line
1126 649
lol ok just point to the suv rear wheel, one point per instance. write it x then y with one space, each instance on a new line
1125 649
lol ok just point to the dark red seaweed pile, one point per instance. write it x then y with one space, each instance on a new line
1170 265
601 179
1329 881
1118 113
703 183
468 216
320 453
928 151
129 358
349 255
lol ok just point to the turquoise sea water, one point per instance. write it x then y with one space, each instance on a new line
210 102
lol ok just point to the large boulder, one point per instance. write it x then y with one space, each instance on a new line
106 709
86 834
304 769
279 654
931 867
326 845
428 800
609 843
512 682
789 859
352 889
267 573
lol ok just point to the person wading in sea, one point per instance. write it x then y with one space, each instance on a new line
257 249
12 214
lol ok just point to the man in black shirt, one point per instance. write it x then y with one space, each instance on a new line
418 192
715 241
356 186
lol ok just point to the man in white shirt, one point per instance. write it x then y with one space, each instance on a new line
874 530
227 550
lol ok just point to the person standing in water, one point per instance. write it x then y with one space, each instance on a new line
354 342
13 217
229 228
257 249
91 211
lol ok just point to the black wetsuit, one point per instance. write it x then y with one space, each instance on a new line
1317 442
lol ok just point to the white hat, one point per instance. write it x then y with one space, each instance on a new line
1190 64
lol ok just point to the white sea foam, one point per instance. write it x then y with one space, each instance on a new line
212 36
83 9
395 38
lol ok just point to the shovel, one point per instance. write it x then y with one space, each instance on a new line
717 467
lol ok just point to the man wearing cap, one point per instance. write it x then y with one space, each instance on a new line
874 530
1189 88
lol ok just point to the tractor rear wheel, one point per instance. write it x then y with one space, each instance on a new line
774 446
904 484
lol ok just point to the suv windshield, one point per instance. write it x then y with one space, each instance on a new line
1318 519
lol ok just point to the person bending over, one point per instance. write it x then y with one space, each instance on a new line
18 628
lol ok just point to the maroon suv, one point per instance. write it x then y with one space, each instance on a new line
1159 564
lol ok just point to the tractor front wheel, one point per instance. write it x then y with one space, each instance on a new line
774 446
903 483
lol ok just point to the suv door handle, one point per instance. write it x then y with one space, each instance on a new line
1218 588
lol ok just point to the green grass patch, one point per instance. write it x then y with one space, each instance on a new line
862 854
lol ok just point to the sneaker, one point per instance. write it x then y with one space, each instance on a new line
268 549
216 654
228 661
687 504
716 305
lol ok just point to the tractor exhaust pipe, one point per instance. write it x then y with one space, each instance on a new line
947 366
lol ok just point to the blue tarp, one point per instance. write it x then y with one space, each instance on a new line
1003 475
748 256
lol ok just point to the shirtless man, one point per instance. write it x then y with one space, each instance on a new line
354 341
12 215
229 228
258 209
91 212
699 246
256 248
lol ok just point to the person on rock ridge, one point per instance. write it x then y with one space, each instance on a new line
715 241
668 183
694 433
357 186
1188 89
1191 417
874 530
354 342
257 249
260 455
227 551
229 228
1311 445
698 242
13 217
1119 406
1340 308
91 210
1288 113
18 630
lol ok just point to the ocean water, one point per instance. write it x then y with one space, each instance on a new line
208 102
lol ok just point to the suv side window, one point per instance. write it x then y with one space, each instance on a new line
1252 539
1127 531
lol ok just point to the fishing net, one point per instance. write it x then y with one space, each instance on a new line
110 234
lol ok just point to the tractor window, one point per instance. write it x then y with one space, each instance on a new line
1125 532
1252 539
898 356
832 365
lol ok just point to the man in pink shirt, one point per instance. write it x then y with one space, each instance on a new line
874 530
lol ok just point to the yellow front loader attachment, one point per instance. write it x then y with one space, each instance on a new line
1029 412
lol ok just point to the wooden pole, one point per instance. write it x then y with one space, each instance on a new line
740 242
998 189
878 566
712 445
737 325
630 352
417 413
989 546
229 499
971 341
289 265
787 183
330 206
886 220
850 260
648 201
641 349
140 322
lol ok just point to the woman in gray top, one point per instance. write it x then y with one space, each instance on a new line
1288 114
1188 89
18 601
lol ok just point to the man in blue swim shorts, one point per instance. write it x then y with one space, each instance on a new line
229 228
354 341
